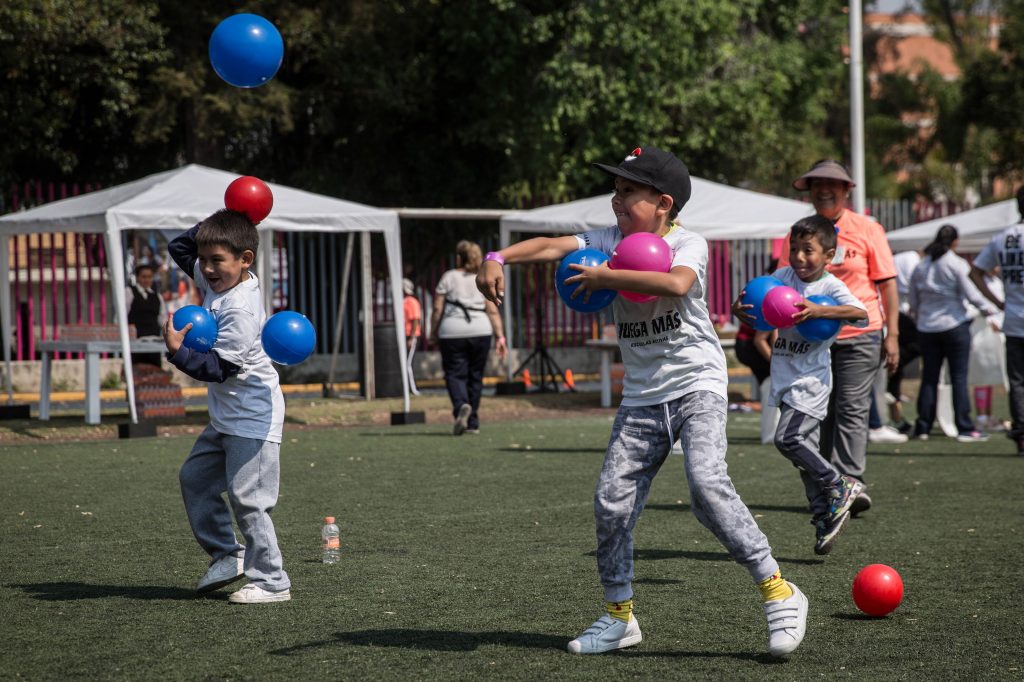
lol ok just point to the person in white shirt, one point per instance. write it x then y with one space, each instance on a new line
939 288
1005 254
905 262
239 452
802 375
674 389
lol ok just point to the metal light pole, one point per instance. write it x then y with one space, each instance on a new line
857 103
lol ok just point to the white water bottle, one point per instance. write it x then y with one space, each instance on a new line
331 541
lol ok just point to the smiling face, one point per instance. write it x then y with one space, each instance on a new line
222 269
639 207
807 257
828 196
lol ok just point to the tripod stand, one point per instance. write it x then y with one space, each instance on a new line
545 363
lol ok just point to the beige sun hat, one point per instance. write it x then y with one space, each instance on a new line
826 168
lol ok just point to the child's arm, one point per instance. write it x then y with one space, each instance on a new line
846 313
763 343
184 251
978 278
209 367
490 280
676 282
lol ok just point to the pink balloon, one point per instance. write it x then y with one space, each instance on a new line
779 306
641 251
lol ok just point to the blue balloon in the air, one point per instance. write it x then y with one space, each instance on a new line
754 293
818 329
203 333
246 50
598 299
288 337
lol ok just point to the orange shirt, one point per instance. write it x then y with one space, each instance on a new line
412 310
863 259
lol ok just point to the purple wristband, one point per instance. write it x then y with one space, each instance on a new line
495 256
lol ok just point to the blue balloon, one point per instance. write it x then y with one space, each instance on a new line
753 294
818 329
598 299
288 337
203 333
246 50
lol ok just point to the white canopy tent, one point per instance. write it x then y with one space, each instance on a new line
976 228
177 200
714 210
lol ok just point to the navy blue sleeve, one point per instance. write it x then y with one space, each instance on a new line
208 367
184 251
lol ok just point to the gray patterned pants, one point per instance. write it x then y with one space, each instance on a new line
640 441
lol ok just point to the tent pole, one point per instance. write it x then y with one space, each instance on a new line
338 323
115 264
266 270
393 246
366 310
5 311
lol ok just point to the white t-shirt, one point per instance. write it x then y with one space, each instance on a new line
905 262
669 346
249 404
1006 251
464 315
802 369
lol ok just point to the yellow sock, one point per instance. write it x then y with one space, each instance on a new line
775 588
623 610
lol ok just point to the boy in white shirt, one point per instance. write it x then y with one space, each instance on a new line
239 452
674 389
802 375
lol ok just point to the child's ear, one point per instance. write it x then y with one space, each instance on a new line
247 258
665 203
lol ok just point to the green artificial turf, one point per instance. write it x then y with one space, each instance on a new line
472 557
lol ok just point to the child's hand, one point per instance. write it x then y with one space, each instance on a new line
740 310
174 337
590 279
809 310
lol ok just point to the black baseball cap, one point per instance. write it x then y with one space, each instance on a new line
655 167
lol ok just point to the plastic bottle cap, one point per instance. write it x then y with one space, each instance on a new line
328 519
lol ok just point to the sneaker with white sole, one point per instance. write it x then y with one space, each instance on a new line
606 634
787 622
462 420
861 503
886 434
224 571
972 437
254 594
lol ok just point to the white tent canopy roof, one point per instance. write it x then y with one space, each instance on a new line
176 200
976 228
714 210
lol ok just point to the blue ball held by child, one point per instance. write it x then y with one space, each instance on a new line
754 293
598 299
819 329
203 333
246 50
288 337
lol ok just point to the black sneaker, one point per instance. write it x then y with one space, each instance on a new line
827 529
860 504
904 427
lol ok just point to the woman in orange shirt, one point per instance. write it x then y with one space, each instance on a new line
864 262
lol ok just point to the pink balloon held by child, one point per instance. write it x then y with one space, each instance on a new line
643 251
780 305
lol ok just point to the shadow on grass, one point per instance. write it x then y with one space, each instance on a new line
447 433
856 616
433 640
76 591
533 449
758 507
660 554
738 655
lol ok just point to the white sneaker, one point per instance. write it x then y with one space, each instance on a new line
224 571
254 594
787 622
886 434
607 634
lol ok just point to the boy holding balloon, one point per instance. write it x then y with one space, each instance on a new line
239 452
674 389
801 369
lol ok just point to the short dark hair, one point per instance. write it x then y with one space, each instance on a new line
817 226
943 242
230 229
1020 200
144 266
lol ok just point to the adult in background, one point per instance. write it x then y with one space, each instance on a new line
462 323
146 310
905 262
938 287
863 261
1006 252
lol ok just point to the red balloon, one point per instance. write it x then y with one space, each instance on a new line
251 196
877 590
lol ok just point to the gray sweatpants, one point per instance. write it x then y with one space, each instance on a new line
249 471
844 433
797 439
641 440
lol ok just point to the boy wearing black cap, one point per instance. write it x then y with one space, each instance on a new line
674 389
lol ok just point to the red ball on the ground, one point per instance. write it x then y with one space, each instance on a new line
251 196
877 589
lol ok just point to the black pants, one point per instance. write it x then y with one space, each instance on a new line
954 347
1015 373
463 361
747 353
910 350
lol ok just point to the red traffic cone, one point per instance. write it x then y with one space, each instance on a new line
526 379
